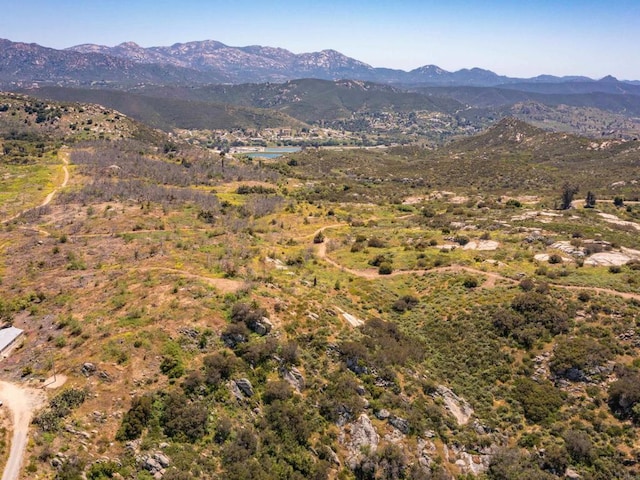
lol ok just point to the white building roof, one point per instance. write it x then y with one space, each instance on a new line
8 336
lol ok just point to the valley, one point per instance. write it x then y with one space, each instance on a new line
440 309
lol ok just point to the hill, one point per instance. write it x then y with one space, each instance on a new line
168 113
210 61
24 64
329 314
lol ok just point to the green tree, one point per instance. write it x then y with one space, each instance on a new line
568 192
590 201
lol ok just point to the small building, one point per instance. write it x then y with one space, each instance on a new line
8 336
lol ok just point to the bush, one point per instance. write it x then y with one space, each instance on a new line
539 401
624 395
385 268
579 446
172 367
183 420
318 238
136 419
375 242
470 282
59 407
278 390
218 367
572 356
526 284
555 258
461 240
407 302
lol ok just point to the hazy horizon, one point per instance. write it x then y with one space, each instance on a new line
585 38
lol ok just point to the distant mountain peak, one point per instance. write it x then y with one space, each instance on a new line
210 61
608 79
129 45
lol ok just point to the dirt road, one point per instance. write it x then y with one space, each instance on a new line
21 403
490 282
64 155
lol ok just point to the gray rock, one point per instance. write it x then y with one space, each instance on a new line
162 459
383 414
245 386
150 464
294 377
88 369
263 326
235 391
400 423
456 405
363 434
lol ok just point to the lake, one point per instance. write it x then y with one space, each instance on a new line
272 152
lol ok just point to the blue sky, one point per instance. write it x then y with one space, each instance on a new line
517 38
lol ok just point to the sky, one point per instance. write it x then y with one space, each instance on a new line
520 38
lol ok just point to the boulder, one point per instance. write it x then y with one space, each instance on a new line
294 377
363 434
245 386
400 423
383 414
162 459
262 326
456 405
88 369
235 391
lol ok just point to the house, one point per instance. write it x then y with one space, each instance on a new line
8 336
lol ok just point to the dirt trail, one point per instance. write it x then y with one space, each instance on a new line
64 155
490 282
22 403
224 285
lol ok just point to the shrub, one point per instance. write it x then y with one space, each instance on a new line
633 264
278 390
319 237
470 282
539 400
579 446
172 367
60 406
183 420
554 258
375 242
461 240
385 268
584 296
217 368
136 418
407 302
574 355
624 395
526 284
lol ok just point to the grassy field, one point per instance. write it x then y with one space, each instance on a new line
247 320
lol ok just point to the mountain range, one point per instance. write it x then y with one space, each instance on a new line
209 62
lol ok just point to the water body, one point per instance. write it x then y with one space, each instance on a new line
273 152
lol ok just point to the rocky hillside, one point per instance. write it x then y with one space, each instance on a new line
214 62
333 314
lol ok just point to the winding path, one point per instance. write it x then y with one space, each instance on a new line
491 277
64 155
21 402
